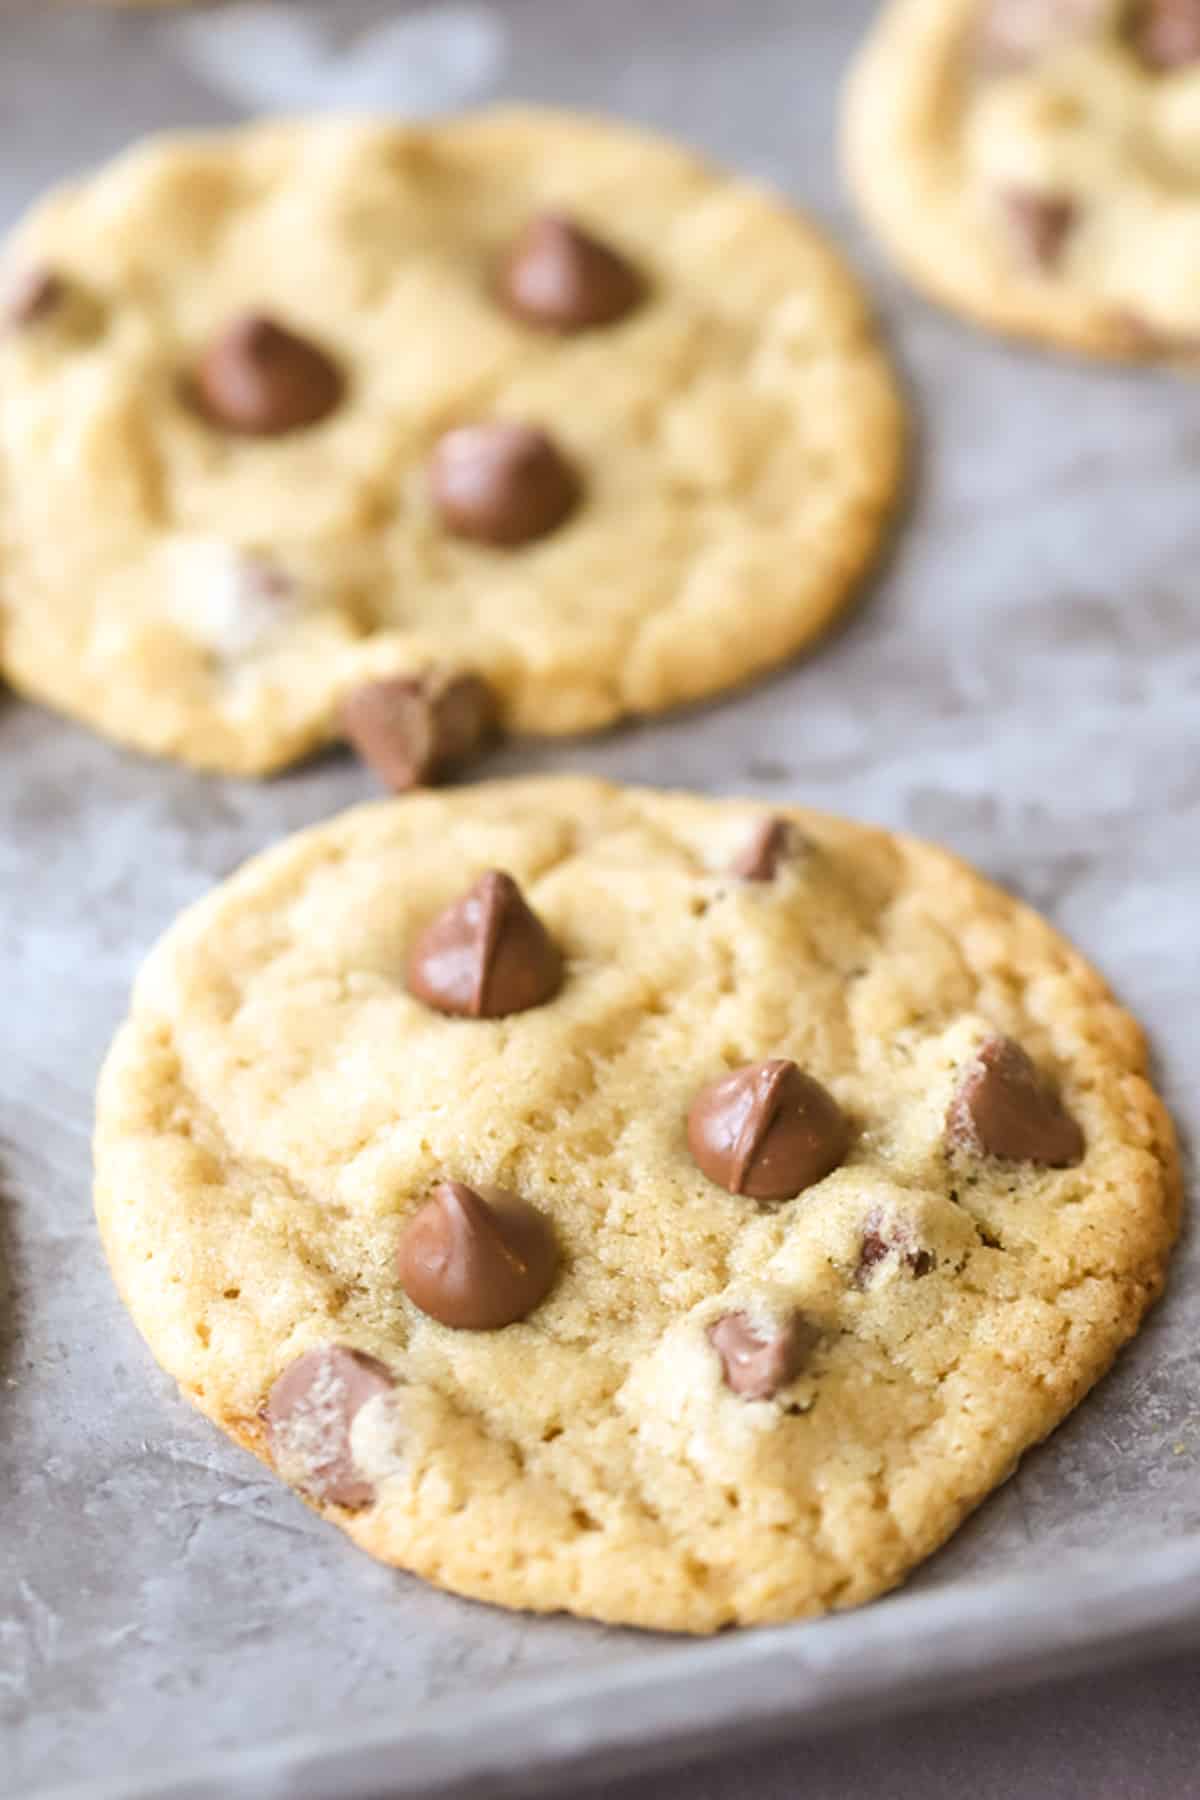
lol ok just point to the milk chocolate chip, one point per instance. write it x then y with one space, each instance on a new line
487 955
759 1360
1003 1108
1166 33
477 1261
260 379
558 276
769 843
883 1238
768 1130
33 294
310 1412
501 483
414 729
1039 224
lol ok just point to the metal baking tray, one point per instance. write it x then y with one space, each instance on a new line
1021 682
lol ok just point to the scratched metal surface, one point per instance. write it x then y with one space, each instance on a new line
1022 682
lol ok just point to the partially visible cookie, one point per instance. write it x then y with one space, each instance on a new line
585 1210
524 400
1035 164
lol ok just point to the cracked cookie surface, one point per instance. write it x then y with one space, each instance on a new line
707 1409
1035 164
215 593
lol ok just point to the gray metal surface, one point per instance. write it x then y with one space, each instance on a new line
1019 683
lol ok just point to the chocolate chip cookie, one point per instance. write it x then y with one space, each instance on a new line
1036 164
586 1209
308 426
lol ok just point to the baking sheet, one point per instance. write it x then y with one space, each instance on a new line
1020 683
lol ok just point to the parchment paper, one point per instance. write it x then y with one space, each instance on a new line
1022 683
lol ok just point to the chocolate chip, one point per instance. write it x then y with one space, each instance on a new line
558 276
1015 33
758 1361
768 1130
32 295
1166 33
487 955
874 1250
260 379
1039 224
309 1414
769 843
414 729
1003 1108
501 483
883 1238
477 1261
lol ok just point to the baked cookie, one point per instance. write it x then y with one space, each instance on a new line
524 399
1036 164
626 1202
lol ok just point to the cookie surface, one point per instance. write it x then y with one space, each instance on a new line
1035 164
655 1397
212 537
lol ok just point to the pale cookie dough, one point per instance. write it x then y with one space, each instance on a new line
1035 164
216 596
279 1107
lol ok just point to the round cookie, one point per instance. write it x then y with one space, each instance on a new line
296 409
686 1226
1035 164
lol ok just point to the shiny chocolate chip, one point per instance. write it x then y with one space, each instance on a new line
768 1131
560 277
309 1414
262 380
759 1359
1003 1108
415 729
477 1260
501 483
487 955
